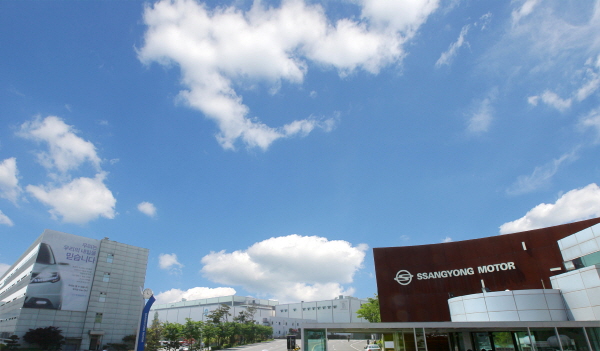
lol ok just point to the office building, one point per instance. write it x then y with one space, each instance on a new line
537 290
88 288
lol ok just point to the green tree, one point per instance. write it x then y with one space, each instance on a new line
219 315
191 332
209 332
154 334
12 343
172 334
370 310
49 338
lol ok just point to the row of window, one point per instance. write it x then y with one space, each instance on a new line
105 278
309 308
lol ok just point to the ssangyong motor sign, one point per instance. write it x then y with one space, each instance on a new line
403 277
62 276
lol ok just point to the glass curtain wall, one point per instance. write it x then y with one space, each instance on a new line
315 340
594 337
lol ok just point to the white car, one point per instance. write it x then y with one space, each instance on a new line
372 347
45 288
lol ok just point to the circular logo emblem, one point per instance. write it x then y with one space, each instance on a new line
403 277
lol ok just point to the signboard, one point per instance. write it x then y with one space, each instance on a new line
62 275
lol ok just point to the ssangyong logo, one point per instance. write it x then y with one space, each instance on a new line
403 277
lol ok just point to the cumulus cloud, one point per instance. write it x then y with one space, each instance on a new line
575 205
3 268
289 268
220 50
9 181
540 176
79 201
147 208
5 220
170 262
176 295
447 240
66 151
447 56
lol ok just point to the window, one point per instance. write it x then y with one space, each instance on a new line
109 258
98 318
102 297
106 277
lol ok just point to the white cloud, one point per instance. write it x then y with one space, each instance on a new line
447 56
176 295
525 10
9 181
3 268
447 240
221 49
147 208
552 99
289 268
533 100
482 115
73 200
5 220
67 151
540 176
79 201
575 205
170 262
591 120
590 82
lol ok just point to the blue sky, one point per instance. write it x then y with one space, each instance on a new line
264 148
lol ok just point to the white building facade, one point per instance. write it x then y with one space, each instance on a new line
87 288
281 317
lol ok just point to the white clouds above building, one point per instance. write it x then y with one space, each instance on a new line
575 205
220 50
72 200
289 268
176 295
9 180
169 262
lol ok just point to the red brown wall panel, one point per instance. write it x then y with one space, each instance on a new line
430 274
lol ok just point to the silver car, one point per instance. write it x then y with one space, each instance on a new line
45 287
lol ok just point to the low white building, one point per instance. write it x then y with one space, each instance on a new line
282 317
339 310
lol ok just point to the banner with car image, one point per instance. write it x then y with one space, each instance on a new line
62 275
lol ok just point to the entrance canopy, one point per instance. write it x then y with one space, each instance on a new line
464 336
